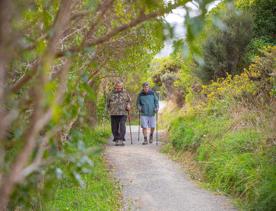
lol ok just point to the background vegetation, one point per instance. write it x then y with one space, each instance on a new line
227 120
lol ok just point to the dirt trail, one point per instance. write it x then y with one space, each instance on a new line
152 182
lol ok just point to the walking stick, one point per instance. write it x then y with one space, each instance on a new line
129 127
156 133
139 128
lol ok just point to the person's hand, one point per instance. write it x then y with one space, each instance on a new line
156 109
128 107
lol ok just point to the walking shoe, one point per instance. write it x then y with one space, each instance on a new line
151 138
121 143
145 141
117 143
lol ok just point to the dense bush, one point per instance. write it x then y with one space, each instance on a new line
263 12
223 50
255 48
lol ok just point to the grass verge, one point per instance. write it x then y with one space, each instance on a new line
233 160
93 188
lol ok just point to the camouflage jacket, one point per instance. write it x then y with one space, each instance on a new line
117 102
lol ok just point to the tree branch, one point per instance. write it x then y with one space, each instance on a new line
25 78
38 121
102 9
39 155
140 19
6 36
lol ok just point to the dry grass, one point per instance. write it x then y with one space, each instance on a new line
259 116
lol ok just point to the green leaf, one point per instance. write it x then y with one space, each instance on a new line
41 45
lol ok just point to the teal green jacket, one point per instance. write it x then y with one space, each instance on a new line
147 103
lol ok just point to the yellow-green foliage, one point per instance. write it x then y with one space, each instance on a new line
228 130
244 3
257 75
230 87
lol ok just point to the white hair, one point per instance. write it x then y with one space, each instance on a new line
118 82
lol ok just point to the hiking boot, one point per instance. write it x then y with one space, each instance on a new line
145 141
151 138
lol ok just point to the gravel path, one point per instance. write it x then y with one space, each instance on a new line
152 182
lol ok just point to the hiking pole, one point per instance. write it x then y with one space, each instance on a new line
139 128
156 133
129 127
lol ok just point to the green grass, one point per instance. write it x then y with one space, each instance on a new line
187 133
100 191
237 162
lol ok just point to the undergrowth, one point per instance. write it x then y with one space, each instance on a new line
92 188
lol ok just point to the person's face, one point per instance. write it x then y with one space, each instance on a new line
118 87
146 89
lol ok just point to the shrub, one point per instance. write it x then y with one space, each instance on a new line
165 74
263 12
223 50
255 47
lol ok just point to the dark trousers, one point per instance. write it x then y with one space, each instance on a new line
118 126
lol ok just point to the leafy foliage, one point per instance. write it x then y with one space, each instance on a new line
263 12
165 74
73 174
223 50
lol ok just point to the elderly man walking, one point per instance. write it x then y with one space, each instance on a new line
118 105
148 105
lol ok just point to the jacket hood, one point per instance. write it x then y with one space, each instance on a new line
150 92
